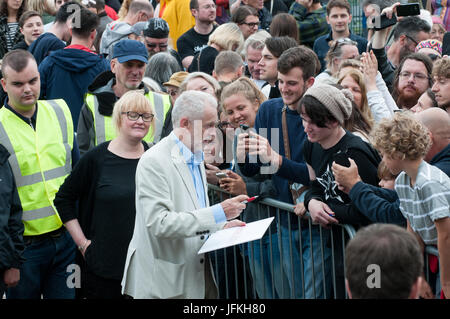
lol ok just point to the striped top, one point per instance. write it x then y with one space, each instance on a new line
426 202
12 29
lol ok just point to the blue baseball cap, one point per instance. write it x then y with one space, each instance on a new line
126 50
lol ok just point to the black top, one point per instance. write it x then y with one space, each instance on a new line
324 188
204 60
104 185
191 42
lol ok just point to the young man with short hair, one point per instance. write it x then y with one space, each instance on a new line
40 139
423 189
58 34
339 18
296 71
66 74
441 86
395 252
272 50
31 26
193 40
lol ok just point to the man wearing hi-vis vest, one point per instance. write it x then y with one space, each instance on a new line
39 137
128 65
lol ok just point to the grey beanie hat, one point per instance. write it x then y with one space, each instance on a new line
336 102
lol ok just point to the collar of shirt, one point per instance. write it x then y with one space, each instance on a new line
192 159
26 119
330 36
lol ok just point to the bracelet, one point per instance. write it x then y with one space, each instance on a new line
83 247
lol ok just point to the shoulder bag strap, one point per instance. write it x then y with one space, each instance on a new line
287 152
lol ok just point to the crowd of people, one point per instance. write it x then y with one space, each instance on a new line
115 116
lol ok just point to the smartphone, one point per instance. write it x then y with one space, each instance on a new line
341 159
383 22
244 127
221 175
410 9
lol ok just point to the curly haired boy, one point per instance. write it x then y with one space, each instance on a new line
423 189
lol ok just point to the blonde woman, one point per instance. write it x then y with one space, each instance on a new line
354 81
103 184
200 81
227 36
44 8
368 95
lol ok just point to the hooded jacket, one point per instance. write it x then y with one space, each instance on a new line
102 88
114 32
67 73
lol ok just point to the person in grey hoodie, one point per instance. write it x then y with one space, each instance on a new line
118 30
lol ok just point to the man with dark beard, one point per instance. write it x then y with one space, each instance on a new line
407 34
412 78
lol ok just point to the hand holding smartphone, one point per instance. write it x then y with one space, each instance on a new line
221 175
341 159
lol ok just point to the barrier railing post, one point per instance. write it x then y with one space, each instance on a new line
248 249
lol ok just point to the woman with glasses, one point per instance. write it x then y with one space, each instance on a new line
247 19
97 200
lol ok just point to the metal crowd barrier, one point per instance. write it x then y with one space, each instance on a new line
253 270
432 277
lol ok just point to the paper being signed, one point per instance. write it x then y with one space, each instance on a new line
236 235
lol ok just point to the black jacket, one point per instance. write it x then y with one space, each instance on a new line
11 226
386 68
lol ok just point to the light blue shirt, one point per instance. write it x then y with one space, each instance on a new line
193 161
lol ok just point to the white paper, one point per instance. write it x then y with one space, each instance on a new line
236 235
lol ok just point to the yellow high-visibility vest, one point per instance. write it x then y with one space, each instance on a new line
103 126
40 159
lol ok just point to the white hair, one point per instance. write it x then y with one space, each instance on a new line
191 104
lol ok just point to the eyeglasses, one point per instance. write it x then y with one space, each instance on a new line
252 24
412 39
434 57
343 41
154 45
134 116
416 76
